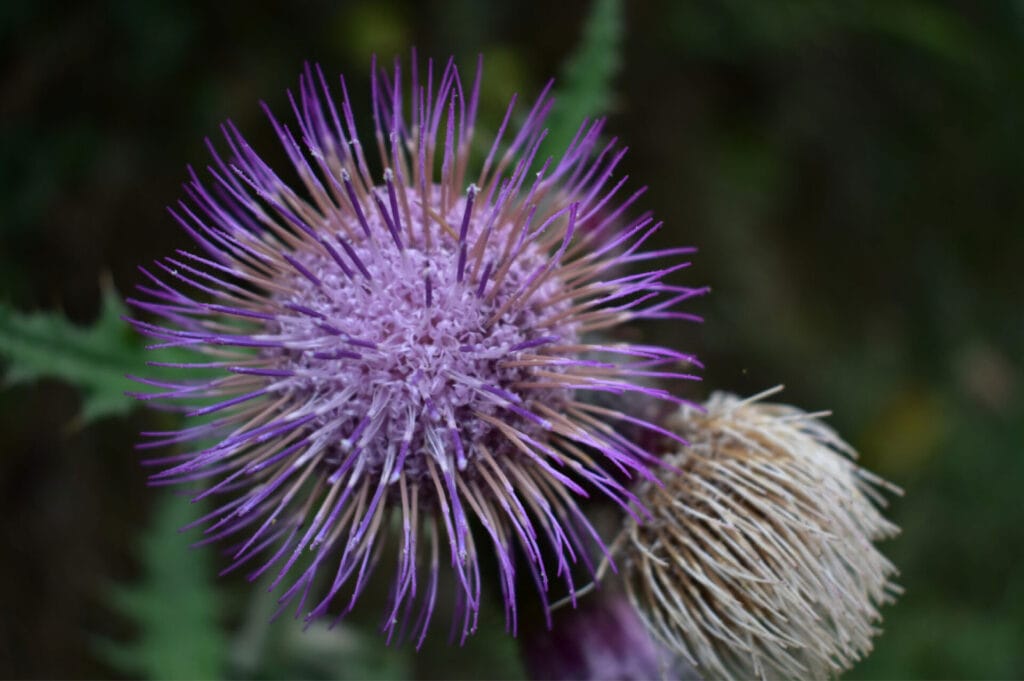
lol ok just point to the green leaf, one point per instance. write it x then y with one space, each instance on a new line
585 89
96 359
175 606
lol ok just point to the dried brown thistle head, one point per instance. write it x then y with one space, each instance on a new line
758 559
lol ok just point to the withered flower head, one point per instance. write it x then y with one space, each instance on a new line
758 559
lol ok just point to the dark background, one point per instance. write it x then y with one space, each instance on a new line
851 172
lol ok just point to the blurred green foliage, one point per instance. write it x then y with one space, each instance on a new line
94 359
98 360
586 84
45 344
850 170
175 606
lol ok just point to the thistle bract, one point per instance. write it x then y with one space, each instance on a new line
404 350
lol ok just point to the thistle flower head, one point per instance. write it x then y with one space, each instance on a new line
403 350
758 560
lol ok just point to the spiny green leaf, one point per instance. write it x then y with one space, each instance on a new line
585 89
95 359
175 606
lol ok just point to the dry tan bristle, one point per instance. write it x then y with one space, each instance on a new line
758 559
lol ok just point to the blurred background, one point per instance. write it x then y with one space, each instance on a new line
851 172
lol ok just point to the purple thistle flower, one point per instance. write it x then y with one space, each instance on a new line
407 356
